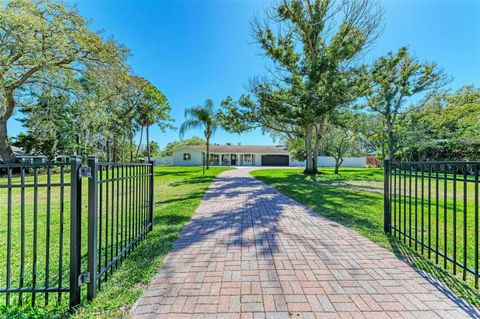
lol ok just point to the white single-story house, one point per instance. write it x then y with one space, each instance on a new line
251 155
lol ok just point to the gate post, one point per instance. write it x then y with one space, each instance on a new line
75 229
92 227
152 173
387 214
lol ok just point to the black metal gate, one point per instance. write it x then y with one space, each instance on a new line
120 213
433 208
41 223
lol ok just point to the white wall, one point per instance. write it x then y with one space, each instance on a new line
295 163
327 161
355 161
164 161
195 160
258 159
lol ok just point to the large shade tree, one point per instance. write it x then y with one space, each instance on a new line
313 47
41 41
98 110
394 79
201 117
132 98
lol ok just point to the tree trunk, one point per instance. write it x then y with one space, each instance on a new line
53 152
338 163
121 153
108 151
77 146
114 150
390 138
310 169
7 104
319 133
6 152
131 146
140 142
148 143
316 150
208 152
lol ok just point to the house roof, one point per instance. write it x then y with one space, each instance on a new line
267 149
21 153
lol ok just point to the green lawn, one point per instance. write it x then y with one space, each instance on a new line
355 199
178 191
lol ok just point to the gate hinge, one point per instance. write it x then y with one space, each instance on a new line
84 278
85 172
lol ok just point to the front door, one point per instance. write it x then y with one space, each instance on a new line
234 159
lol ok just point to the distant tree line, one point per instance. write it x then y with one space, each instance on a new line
447 127
170 147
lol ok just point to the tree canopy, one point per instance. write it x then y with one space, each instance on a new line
393 79
73 85
447 127
45 43
313 46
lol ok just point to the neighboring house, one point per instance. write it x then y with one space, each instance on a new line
249 155
24 157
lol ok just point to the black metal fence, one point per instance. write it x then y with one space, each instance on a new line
45 239
433 208
121 202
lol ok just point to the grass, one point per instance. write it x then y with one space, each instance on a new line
178 191
354 198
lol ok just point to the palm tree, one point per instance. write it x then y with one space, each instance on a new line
153 109
201 117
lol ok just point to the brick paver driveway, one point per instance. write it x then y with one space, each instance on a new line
251 252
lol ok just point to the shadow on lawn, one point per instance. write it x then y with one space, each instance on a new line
190 181
444 281
186 198
174 173
329 201
350 174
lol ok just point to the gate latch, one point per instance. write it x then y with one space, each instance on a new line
85 172
84 278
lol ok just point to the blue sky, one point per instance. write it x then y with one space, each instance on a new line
193 50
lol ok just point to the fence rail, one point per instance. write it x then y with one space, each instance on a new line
433 208
41 221
37 218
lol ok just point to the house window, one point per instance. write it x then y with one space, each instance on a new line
187 156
